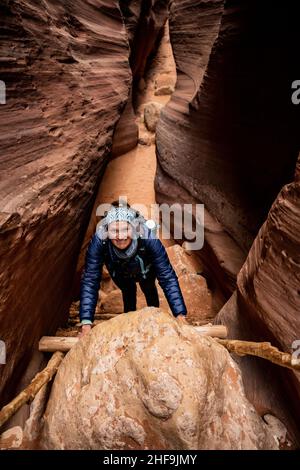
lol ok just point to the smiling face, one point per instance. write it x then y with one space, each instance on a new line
120 233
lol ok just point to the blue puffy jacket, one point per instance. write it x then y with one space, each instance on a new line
91 278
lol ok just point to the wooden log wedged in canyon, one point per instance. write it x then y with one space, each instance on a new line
57 343
65 343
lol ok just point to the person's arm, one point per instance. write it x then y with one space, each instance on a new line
90 283
167 277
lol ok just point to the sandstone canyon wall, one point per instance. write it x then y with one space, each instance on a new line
228 137
266 306
68 76
144 21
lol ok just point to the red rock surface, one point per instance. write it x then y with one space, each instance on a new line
269 281
228 137
144 21
267 304
67 73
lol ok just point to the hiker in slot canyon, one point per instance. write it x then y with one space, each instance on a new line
131 254
114 334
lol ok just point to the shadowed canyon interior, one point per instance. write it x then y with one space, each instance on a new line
81 77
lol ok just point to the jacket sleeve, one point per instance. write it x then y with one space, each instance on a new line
167 278
91 278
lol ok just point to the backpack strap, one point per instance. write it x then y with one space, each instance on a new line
144 265
144 270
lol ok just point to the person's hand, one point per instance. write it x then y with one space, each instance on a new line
85 329
181 319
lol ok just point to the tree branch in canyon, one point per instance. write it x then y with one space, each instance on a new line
264 350
32 389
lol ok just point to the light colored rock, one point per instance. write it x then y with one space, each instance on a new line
165 79
107 286
143 381
197 298
37 408
164 90
112 302
146 139
182 261
105 273
277 427
196 295
12 438
151 115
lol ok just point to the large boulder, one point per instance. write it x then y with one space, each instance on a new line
143 381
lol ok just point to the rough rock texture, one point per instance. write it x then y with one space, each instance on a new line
142 381
266 307
68 77
229 135
193 285
126 132
26 436
269 281
151 115
12 438
182 261
146 139
164 90
37 408
222 258
144 21
278 427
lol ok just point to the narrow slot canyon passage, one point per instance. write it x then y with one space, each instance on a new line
163 103
132 175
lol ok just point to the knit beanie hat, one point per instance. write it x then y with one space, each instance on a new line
119 213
